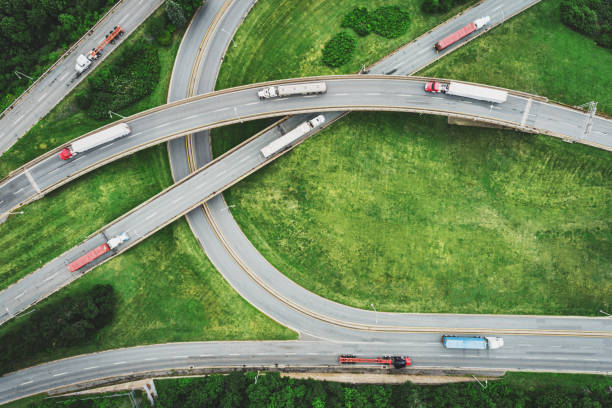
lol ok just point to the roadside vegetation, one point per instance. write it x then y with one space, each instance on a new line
413 215
34 34
118 399
440 6
271 390
166 288
592 18
69 321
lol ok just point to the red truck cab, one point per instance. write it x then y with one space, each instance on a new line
432 87
65 154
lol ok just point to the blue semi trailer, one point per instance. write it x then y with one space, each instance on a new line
472 342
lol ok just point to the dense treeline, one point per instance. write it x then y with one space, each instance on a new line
440 6
592 18
130 77
339 50
69 321
178 13
34 33
271 390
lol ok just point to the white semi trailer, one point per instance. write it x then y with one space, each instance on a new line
468 91
280 91
288 138
97 139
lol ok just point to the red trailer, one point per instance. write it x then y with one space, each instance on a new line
395 361
88 257
463 32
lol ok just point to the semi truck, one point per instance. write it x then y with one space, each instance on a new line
395 361
292 89
84 61
468 91
288 138
97 139
472 342
461 33
98 252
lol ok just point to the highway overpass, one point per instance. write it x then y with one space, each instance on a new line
352 92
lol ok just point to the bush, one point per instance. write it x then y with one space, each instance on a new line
440 6
590 17
339 50
125 81
175 13
389 22
357 19
70 321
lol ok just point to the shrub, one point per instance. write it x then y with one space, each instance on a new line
389 22
175 13
125 81
590 17
70 321
357 19
339 50
440 6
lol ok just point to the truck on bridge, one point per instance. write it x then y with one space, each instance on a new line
84 61
286 140
98 252
395 361
468 91
472 342
309 88
95 140
462 33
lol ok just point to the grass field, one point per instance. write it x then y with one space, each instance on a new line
535 53
414 215
168 290
291 47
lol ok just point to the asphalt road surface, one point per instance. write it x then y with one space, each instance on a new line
389 93
62 79
531 352
209 181
426 351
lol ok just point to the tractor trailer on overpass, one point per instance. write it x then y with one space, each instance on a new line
285 141
472 342
95 140
467 91
462 33
97 252
280 91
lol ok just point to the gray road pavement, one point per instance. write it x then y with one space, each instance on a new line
348 93
519 353
61 80
528 352
241 104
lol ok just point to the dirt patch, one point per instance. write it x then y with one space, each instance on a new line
384 378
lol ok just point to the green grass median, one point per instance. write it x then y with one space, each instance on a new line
167 288
411 214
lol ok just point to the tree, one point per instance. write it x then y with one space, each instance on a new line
175 13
